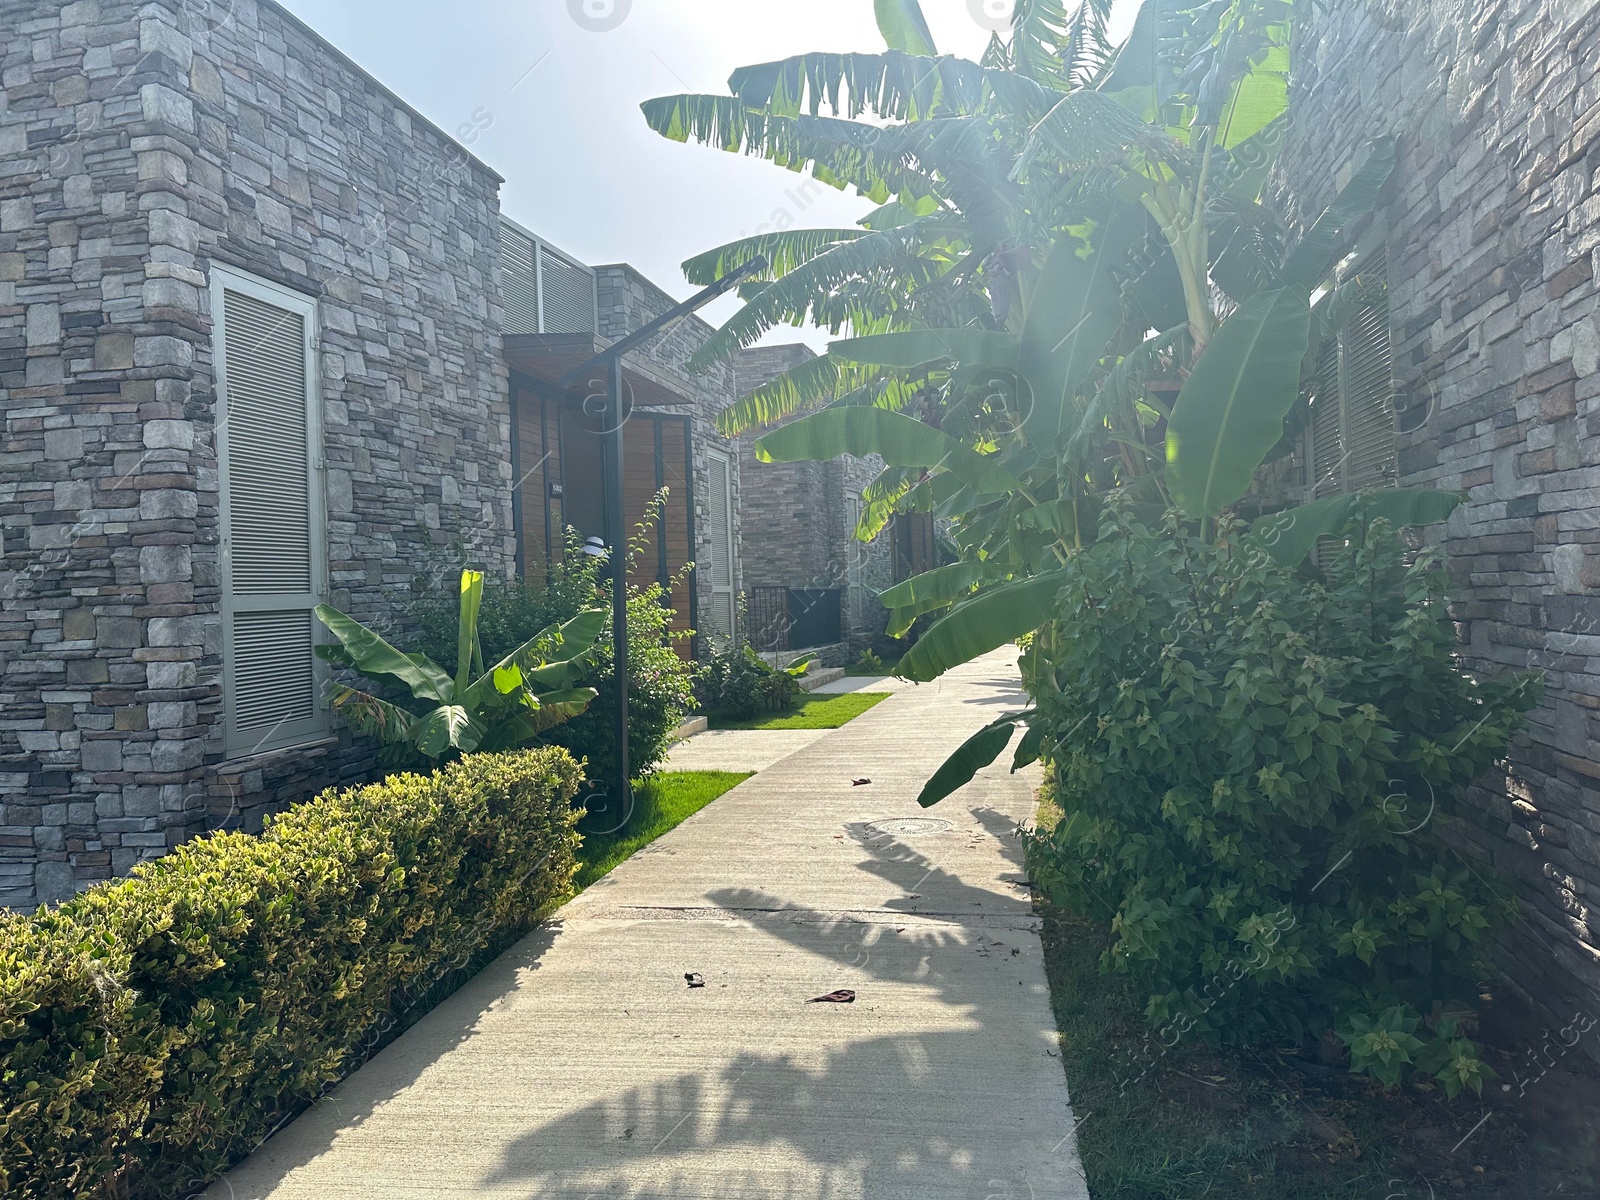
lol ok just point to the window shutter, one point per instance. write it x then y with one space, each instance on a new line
719 521
1325 457
1368 391
273 541
1351 434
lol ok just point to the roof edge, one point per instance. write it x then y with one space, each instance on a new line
381 86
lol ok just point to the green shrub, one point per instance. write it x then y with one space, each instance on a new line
661 694
661 682
153 1030
738 683
1254 766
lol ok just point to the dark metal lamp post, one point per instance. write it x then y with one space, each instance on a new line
611 465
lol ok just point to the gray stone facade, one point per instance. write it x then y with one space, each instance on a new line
801 517
140 143
1492 226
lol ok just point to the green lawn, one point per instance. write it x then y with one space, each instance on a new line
660 803
812 712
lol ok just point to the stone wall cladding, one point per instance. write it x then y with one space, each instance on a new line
802 534
138 145
628 301
1493 234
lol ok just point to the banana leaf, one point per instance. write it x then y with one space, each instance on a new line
985 622
1289 536
1231 409
375 658
899 440
977 752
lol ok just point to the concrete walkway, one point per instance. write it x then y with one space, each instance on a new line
580 1065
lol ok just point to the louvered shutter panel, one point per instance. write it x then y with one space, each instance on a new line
1368 392
568 295
1325 457
273 541
1351 435
719 521
519 281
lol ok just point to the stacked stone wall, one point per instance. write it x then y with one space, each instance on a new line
1492 227
141 143
801 532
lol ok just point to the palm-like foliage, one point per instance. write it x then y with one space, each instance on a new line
1067 235
478 708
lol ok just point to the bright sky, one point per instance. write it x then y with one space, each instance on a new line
554 107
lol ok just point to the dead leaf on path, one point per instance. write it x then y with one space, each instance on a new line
694 979
859 782
842 996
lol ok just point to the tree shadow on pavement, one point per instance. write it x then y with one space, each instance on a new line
942 1080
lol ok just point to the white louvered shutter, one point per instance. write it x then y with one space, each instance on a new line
719 521
567 299
273 540
519 281
1351 439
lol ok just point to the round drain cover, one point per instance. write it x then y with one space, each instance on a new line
909 826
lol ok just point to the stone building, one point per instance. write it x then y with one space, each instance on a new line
184 203
1489 236
260 323
809 583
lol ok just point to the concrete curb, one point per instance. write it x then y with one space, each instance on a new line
691 727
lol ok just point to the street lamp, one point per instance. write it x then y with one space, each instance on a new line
611 465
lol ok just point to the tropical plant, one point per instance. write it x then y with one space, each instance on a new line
661 681
1070 287
480 707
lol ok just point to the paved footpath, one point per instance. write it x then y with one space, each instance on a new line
579 1064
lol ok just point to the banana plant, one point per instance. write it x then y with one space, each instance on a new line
479 708
1071 287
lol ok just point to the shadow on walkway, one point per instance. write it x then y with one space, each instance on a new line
803 1119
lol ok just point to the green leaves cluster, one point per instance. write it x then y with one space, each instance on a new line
737 682
499 707
661 681
1237 746
1072 284
154 1030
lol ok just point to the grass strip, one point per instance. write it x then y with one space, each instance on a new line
660 802
813 712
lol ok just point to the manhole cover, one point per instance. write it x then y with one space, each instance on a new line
909 826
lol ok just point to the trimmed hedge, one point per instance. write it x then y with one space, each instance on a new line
154 1030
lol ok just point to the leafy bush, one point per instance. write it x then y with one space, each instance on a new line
1254 765
153 1030
739 683
661 693
661 682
